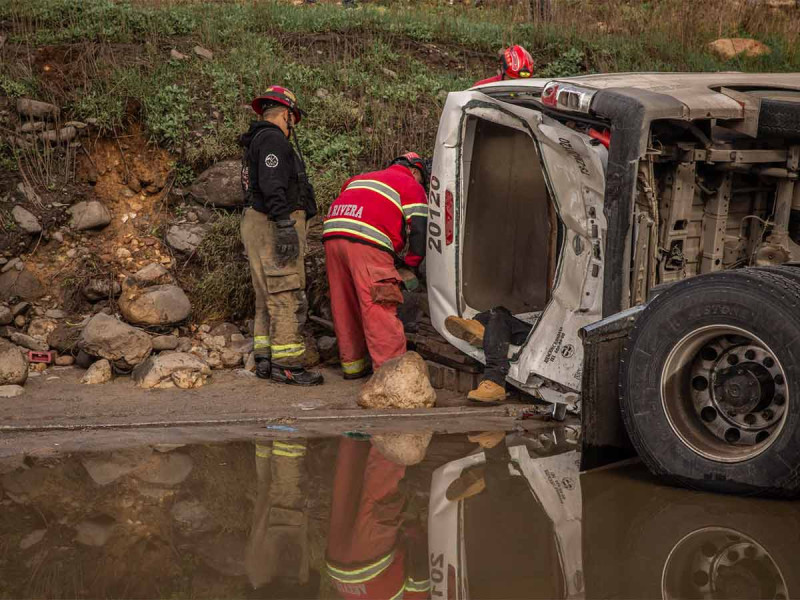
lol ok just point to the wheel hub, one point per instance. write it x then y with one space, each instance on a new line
724 392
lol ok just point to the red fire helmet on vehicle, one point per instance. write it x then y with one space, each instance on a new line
517 63
278 95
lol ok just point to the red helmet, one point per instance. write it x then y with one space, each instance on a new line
517 63
412 160
276 94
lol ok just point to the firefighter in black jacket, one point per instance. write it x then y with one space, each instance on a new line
279 201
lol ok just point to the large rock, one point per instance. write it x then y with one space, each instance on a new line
41 329
37 110
165 469
403 448
100 289
185 238
727 48
6 316
219 185
20 284
11 391
99 372
13 364
105 469
156 305
96 531
153 274
63 338
26 220
401 382
175 369
110 338
26 341
91 214
165 342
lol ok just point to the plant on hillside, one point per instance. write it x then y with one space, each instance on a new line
568 63
167 114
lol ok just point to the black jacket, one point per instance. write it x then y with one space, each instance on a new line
273 175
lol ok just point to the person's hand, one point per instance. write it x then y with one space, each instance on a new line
287 242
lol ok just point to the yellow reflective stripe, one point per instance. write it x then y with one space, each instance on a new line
287 350
260 342
379 188
364 573
415 210
263 451
343 225
289 446
417 586
399 594
355 366
288 453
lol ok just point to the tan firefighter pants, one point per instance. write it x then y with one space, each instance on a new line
280 290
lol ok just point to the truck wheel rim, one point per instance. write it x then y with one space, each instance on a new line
725 393
719 562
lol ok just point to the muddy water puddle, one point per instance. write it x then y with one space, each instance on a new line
489 515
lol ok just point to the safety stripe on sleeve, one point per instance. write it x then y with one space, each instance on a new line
287 350
379 188
368 232
356 366
415 210
260 342
362 574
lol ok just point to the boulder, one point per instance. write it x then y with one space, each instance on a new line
100 289
192 517
203 53
185 238
55 313
165 469
165 342
37 110
90 214
226 330
403 448
20 284
219 185
153 274
174 369
26 341
110 338
728 48
13 364
11 391
41 329
99 372
401 382
96 531
156 305
105 468
65 361
6 316
26 220
230 358
63 338
59 136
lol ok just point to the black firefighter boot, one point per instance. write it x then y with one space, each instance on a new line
263 367
295 375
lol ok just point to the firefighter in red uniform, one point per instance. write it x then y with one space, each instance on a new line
515 63
373 552
364 233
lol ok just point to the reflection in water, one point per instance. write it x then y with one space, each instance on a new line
489 515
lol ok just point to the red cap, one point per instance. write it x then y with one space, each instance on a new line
279 95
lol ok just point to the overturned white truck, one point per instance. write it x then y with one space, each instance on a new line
647 226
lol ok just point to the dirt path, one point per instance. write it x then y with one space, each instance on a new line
59 414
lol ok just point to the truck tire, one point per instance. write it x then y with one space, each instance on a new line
779 118
710 547
705 383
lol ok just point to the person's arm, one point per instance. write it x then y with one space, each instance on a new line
275 167
415 212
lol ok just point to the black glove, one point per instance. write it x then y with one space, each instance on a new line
287 242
